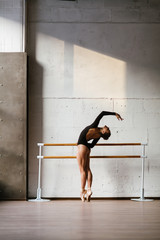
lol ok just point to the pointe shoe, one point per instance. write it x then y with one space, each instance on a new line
89 194
82 195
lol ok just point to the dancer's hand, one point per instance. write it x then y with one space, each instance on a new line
119 117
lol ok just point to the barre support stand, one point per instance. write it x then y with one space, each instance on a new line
40 157
142 198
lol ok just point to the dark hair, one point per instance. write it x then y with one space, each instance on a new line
105 136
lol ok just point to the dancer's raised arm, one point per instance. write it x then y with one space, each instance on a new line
99 117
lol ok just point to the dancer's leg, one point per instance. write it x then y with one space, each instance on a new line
82 162
89 178
89 173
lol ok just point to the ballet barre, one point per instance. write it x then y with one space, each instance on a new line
40 157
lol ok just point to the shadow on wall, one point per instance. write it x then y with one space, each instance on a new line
35 117
78 54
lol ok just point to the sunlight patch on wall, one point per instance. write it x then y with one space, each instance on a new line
98 75
49 55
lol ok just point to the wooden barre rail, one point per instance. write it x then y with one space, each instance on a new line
99 144
129 156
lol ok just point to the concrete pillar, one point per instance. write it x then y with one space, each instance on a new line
13 125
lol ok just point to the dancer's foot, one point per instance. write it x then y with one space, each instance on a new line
82 194
89 194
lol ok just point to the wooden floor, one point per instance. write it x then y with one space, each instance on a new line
72 219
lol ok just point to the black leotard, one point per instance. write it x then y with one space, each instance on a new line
82 138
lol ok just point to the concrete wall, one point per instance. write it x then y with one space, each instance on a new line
85 57
13 126
12 26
